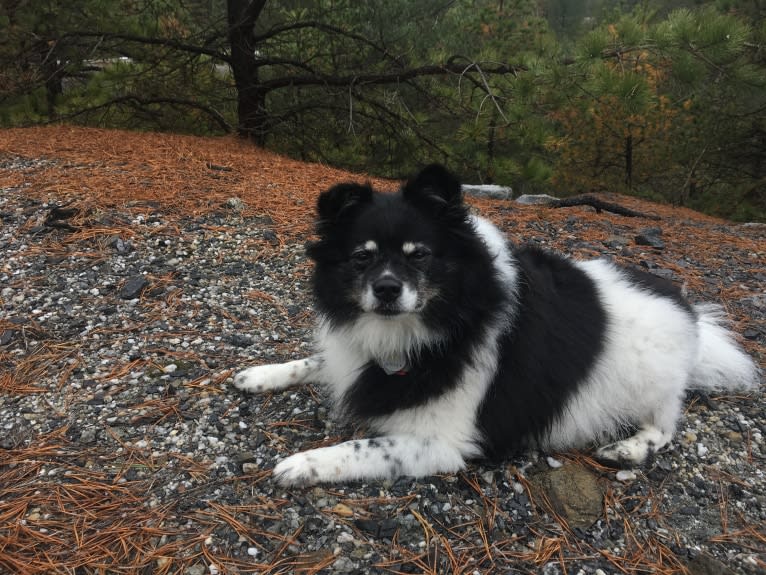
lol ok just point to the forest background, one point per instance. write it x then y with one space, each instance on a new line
665 100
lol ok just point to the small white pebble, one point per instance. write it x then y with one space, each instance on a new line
625 475
702 451
252 551
553 463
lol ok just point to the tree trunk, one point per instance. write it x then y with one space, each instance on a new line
629 161
251 98
46 51
54 87
489 171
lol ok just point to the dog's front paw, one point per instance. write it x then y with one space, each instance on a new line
254 379
276 376
262 378
321 465
296 470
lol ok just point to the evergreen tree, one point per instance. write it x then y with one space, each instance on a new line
672 109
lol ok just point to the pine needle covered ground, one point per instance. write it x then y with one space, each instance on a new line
103 468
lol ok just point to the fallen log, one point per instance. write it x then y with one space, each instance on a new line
599 205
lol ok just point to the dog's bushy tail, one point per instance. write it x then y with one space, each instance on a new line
721 362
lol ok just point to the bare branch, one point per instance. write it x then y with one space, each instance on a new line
320 79
166 42
136 102
328 28
490 94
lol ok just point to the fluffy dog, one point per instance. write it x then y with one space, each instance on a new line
448 343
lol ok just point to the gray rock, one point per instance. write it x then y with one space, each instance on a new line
271 237
650 237
343 565
535 199
704 564
14 437
120 245
616 242
380 529
89 435
133 287
235 204
488 191
6 336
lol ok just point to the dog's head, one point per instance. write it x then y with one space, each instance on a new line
389 254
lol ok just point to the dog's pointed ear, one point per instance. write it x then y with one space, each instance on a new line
435 184
340 200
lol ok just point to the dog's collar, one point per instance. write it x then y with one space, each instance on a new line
400 372
394 366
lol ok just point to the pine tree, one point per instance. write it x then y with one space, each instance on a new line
666 110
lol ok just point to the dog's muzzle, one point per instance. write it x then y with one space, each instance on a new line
387 289
389 296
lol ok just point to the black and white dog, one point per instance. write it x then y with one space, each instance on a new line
451 345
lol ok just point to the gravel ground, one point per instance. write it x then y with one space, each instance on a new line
119 334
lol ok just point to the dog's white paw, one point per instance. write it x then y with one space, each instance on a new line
299 469
253 379
321 465
635 450
275 376
622 453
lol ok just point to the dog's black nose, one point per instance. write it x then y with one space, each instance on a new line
387 289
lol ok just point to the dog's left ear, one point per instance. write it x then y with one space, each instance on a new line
435 184
340 202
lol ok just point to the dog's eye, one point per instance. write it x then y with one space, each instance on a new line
419 254
361 257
